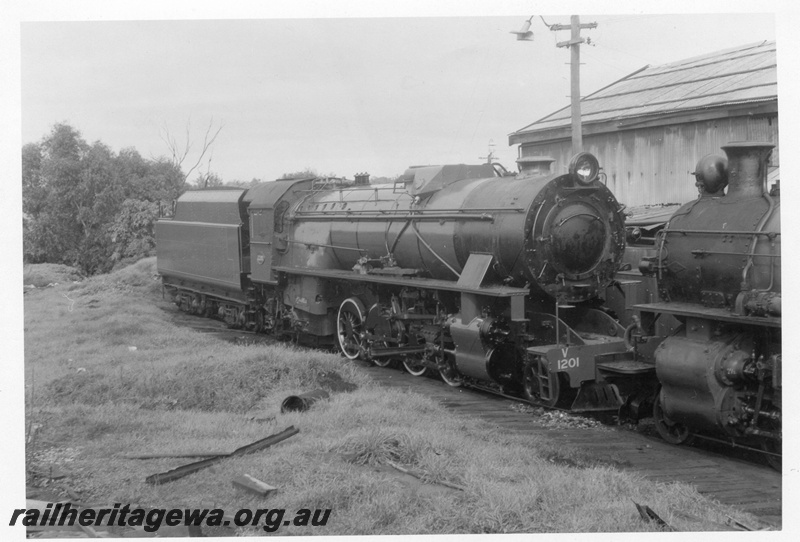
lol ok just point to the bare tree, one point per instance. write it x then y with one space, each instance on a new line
179 151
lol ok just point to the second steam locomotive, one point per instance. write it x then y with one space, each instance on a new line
718 271
495 280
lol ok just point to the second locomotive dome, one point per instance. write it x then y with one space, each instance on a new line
561 233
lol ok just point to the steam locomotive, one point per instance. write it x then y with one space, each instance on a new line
495 280
718 271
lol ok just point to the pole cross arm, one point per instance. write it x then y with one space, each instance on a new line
570 42
556 27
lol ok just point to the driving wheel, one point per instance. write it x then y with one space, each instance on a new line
349 327
539 385
670 431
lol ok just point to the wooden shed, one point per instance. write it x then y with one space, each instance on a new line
649 129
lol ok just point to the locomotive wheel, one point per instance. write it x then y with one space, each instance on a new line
399 332
349 326
449 374
414 366
259 324
447 368
674 433
534 375
382 362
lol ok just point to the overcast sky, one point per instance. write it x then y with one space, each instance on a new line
339 95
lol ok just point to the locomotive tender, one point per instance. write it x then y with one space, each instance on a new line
495 280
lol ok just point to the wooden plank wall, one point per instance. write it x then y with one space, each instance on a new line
652 165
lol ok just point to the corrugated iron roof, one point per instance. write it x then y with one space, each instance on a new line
739 75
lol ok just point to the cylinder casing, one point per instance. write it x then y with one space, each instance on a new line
695 386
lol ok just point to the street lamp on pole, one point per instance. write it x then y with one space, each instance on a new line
525 33
575 69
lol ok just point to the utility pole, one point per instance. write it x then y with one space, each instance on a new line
490 157
575 74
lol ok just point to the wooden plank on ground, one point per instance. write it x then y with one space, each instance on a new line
173 454
253 485
185 470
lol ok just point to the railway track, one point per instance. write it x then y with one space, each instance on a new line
719 473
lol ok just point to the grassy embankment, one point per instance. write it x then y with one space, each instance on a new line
95 398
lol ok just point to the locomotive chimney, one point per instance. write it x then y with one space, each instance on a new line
747 168
535 165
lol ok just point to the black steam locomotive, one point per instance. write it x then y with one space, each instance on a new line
718 269
491 279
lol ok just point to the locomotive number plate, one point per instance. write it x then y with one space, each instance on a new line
576 361
568 363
